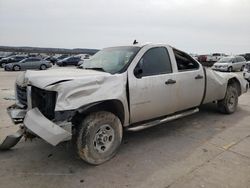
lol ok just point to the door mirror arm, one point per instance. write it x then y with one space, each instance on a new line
138 72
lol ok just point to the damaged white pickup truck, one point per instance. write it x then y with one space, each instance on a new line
119 88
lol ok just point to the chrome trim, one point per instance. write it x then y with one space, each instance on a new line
29 102
164 120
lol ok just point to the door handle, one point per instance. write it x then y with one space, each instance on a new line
170 81
198 77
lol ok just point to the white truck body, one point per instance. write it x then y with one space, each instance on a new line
136 94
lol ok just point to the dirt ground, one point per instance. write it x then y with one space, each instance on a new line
207 149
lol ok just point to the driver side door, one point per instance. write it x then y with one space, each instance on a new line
151 86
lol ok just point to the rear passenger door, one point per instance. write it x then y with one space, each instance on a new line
190 81
26 64
151 85
240 63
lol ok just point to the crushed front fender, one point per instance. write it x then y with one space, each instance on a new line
38 124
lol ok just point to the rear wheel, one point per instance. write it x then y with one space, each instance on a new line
3 65
98 137
229 104
16 68
43 67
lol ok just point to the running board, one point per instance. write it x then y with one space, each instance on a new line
160 121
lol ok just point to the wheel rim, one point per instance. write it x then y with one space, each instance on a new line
231 101
42 67
104 138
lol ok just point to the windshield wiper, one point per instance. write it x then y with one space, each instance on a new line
96 68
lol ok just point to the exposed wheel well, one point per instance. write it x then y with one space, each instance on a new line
235 82
113 106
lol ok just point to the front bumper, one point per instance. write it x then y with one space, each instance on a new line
16 113
35 123
38 124
7 68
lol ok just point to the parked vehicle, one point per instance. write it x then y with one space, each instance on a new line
61 57
80 63
202 58
69 61
209 60
246 72
51 59
28 63
12 59
246 56
231 63
215 57
119 88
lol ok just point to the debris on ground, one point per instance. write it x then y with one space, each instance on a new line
9 98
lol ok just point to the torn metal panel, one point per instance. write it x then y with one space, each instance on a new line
47 130
11 140
217 84
16 113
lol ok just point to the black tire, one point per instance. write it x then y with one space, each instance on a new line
229 104
230 69
98 137
3 65
43 67
16 68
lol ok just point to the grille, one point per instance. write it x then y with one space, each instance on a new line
44 101
21 93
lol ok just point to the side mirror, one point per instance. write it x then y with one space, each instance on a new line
138 72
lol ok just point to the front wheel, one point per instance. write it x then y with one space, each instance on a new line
43 67
16 68
230 69
229 104
3 65
98 137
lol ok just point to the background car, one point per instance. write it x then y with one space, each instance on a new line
215 57
246 72
61 57
51 59
12 59
73 60
80 63
231 63
246 56
28 63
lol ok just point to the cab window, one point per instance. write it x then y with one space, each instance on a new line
184 61
155 61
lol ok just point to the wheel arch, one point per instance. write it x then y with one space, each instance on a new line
114 106
235 82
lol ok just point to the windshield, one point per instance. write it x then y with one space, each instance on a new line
225 60
111 60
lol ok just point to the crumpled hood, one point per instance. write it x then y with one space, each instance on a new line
77 87
42 79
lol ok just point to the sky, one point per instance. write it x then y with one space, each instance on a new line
195 26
